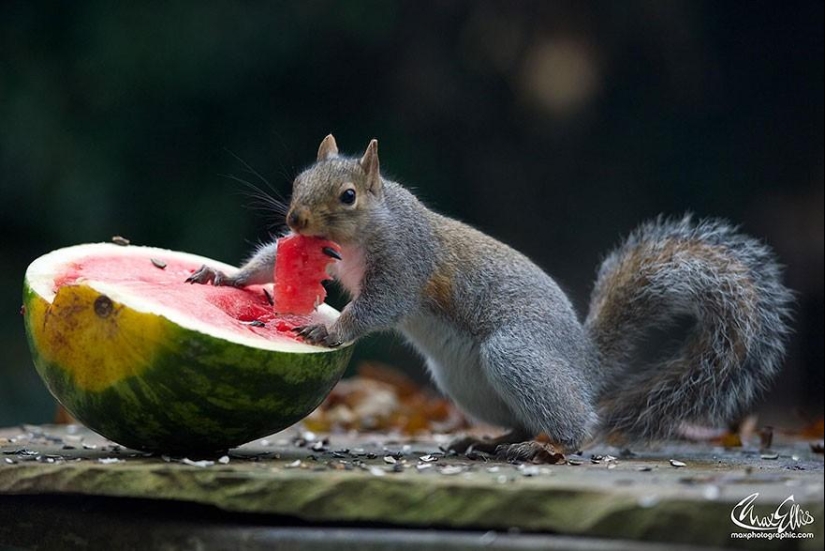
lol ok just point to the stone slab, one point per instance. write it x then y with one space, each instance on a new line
370 479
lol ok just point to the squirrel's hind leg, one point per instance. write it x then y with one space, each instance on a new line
545 388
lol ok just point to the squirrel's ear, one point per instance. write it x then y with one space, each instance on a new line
328 149
369 162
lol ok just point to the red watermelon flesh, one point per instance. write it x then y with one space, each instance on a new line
244 311
300 267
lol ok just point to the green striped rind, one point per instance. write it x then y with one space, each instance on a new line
201 394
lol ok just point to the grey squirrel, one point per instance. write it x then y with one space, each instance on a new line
501 338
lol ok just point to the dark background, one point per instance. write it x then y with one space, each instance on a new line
555 126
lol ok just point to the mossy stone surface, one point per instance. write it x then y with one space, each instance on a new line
368 480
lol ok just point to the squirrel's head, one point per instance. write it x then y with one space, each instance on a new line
333 197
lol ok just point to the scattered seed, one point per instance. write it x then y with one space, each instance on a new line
256 323
429 458
396 455
452 469
390 460
22 452
103 306
770 456
269 298
108 460
119 240
377 471
304 439
529 470
202 464
677 464
89 446
294 465
9 460
575 462
158 263
644 468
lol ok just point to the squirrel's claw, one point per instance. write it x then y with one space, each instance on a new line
318 334
206 274
332 253
532 451
488 445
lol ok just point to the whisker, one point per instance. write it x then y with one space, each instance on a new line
255 173
261 199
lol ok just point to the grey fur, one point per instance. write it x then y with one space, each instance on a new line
501 338
729 283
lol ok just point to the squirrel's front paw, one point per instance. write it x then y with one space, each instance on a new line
319 334
206 274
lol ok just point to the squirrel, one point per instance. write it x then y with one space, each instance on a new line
503 341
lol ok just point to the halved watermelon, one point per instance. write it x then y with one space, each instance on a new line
157 364
300 267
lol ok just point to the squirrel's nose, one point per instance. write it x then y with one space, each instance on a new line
297 219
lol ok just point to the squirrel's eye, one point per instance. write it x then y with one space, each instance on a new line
348 196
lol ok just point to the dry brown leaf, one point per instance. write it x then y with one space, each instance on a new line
380 398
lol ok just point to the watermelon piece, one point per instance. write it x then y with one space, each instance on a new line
300 266
147 360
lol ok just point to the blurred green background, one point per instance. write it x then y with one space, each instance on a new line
555 126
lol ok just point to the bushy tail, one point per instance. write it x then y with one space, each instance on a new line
669 271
